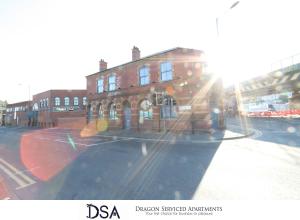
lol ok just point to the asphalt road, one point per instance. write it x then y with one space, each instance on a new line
62 164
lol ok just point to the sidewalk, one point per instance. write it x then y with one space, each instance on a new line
214 136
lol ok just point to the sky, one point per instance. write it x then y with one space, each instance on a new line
54 44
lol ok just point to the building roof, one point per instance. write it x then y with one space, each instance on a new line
147 57
18 103
60 90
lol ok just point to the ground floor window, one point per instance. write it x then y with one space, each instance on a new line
113 112
168 109
146 110
100 111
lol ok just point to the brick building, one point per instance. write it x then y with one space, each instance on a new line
164 91
18 113
60 108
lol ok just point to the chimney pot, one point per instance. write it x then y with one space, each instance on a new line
102 65
136 54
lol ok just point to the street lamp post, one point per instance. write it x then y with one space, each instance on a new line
217 19
221 112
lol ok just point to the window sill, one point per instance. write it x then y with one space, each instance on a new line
167 80
144 85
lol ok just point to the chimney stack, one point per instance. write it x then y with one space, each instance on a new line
102 65
136 54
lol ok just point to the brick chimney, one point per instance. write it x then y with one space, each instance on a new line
102 65
136 54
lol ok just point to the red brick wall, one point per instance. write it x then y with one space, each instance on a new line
72 122
47 117
187 88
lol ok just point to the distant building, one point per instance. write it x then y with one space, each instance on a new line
59 108
18 113
2 112
164 91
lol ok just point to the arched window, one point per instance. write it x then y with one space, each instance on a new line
113 112
47 102
57 101
76 100
146 110
144 75
168 109
100 111
67 101
35 107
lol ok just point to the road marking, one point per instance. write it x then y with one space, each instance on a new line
159 139
172 139
20 178
20 182
106 142
63 141
133 138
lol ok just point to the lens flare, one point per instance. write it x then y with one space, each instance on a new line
101 125
45 156
170 90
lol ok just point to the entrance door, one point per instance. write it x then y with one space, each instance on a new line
127 117
214 120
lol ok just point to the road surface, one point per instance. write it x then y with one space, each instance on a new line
64 164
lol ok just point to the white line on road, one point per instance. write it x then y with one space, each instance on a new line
19 181
67 142
15 174
107 142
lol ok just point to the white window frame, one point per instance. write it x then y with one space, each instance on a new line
57 101
67 101
100 85
84 100
112 85
166 71
76 101
100 111
144 75
113 112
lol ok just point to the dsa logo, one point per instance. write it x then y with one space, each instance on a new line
102 212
